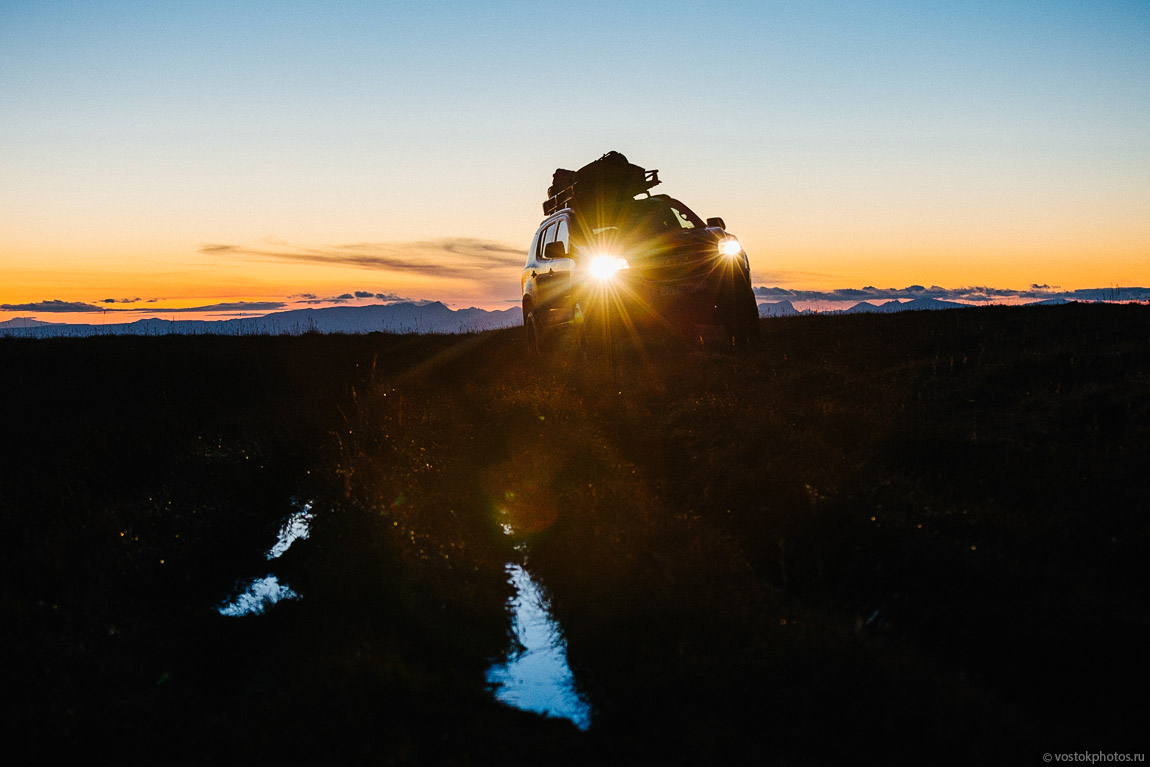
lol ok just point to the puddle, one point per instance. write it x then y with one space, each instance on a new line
262 593
536 676
293 529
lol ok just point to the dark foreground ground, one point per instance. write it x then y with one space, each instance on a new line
916 537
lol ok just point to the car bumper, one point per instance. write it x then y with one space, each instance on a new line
642 302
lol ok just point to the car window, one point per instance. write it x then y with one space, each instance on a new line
534 252
662 213
681 218
548 236
563 236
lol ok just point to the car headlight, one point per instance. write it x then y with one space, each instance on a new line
730 247
605 267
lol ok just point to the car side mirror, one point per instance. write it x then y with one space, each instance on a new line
716 221
555 250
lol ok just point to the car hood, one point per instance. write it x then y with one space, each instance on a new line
676 255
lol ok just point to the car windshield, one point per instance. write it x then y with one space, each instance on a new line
664 213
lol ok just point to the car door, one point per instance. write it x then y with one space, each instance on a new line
553 273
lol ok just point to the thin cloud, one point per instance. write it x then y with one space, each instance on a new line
358 295
457 257
51 306
59 307
232 306
1107 294
235 306
868 293
784 277
975 294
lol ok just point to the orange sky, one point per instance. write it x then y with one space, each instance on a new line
193 157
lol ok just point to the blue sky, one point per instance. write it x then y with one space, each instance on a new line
162 150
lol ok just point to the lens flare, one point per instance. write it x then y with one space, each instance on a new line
604 267
730 247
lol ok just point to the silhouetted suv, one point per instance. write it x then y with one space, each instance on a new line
611 259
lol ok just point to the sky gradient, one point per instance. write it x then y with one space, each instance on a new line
164 156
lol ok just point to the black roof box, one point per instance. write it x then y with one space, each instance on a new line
609 178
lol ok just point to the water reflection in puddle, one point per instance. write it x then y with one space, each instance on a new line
294 528
262 593
536 677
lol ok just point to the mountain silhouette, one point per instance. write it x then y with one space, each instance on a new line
917 304
432 317
777 309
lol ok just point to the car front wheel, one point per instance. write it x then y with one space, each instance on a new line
740 315
532 332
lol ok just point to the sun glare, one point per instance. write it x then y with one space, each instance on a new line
605 267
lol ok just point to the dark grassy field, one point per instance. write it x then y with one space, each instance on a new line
916 537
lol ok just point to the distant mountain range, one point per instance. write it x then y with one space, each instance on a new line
777 309
917 304
431 317
787 309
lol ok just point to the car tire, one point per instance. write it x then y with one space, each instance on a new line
532 330
741 315
746 330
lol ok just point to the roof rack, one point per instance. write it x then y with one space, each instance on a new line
610 177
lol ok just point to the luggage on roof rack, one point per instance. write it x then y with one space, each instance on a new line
607 180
